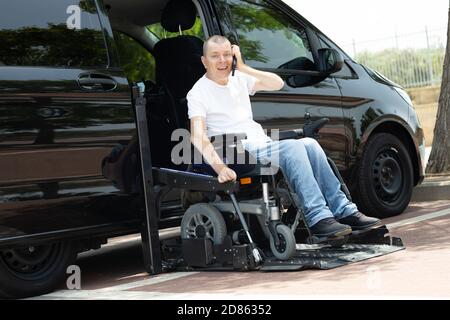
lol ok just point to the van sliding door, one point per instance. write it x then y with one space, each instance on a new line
63 108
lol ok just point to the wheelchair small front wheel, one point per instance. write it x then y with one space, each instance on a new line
202 221
287 243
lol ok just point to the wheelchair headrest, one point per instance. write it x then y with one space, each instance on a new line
178 14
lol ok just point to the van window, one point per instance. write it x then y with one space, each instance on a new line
60 33
137 63
267 38
196 30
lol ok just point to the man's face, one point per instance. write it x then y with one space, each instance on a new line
218 60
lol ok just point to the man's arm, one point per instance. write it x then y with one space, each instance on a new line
200 140
267 81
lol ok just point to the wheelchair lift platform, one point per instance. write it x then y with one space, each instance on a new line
202 255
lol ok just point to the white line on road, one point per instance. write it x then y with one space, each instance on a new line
116 291
419 219
147 282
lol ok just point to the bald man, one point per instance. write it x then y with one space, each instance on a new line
219 103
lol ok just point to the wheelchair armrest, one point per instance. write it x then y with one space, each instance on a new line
192 181
291 134
310 130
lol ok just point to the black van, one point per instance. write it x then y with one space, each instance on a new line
69 150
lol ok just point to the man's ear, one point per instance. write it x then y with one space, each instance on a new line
203 61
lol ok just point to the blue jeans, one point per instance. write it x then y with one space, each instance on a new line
305 165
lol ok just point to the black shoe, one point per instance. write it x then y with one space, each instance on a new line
330 228
359 221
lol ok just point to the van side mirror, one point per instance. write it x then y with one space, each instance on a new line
330 61
308 73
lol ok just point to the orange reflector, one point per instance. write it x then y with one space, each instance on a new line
246 180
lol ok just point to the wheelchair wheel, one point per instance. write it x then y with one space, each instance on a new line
202 220
287 246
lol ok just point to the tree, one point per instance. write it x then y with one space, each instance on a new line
440 153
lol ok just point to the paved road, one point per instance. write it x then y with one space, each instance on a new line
421 271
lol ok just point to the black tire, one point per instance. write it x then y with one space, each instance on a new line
287 246
34 270
202 220
385 177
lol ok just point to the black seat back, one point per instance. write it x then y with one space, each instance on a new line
178 59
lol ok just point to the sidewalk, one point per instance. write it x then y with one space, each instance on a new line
434 187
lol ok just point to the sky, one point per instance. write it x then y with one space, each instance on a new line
373 25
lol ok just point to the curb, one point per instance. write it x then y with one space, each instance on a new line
433 188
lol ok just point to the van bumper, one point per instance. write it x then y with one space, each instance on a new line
422 163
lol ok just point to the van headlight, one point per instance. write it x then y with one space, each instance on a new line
404 95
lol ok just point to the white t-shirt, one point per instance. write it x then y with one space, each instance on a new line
226 108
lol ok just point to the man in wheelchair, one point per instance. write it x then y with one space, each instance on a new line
219 104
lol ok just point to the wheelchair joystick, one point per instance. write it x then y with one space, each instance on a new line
308 118
311 128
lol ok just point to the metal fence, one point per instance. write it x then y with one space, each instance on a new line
411 60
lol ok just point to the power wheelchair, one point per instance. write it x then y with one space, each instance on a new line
264 195
254 223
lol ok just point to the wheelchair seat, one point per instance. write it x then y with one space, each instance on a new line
234 155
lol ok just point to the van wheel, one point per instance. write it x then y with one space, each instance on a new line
201 221
385 177
34 270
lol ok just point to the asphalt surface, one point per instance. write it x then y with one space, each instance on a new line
420 271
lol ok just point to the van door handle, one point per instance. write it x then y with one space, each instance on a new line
96 82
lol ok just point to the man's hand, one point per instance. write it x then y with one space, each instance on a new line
267 81
227 174
236 51
202 143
